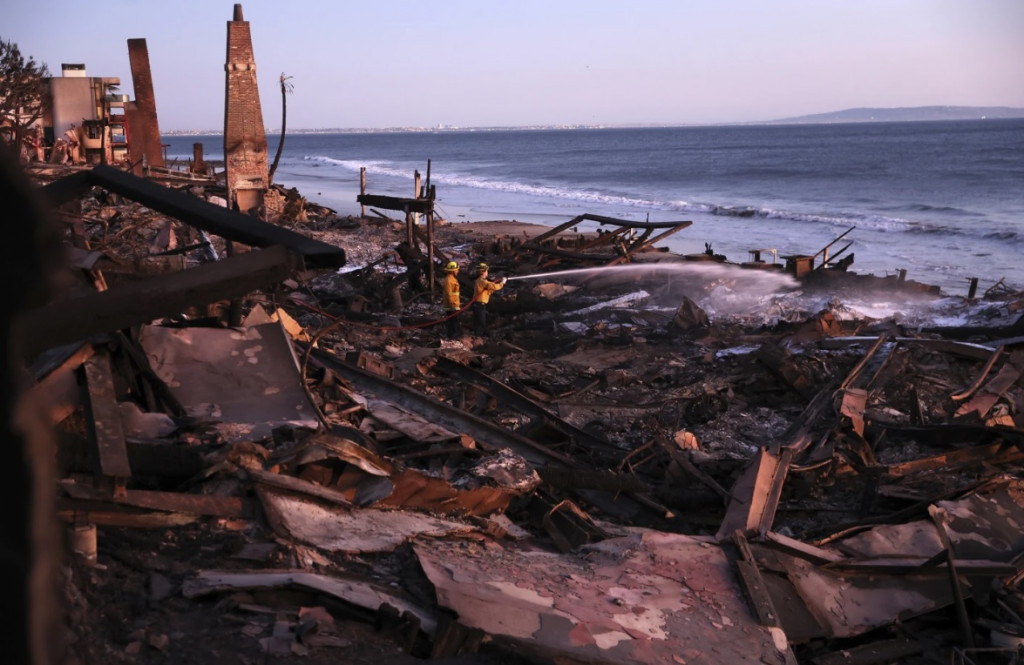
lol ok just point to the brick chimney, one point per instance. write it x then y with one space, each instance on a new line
245 138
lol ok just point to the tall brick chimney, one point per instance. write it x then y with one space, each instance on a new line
143 126
245 138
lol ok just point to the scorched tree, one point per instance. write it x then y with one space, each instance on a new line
23 87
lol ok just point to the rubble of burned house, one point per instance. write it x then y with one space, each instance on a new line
266 449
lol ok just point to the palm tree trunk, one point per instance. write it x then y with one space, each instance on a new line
284 122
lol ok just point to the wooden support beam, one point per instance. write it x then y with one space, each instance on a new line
940 518
172 502
67 321
107 514
396 203
755 496
753 583
757 591
105 418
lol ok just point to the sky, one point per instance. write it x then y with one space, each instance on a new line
476 63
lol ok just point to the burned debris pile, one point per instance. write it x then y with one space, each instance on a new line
266 447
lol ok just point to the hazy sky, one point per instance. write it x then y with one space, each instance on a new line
390 63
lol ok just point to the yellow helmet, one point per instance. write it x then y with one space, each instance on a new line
451 267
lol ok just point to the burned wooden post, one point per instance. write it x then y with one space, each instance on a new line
417 189
430 244
145 130
245 139
198 163
362 189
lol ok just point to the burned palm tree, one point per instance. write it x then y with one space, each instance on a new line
286 87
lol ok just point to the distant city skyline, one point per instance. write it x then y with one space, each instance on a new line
403 64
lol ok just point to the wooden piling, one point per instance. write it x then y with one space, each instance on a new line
430 247
973 290
198 165
417 189
362 189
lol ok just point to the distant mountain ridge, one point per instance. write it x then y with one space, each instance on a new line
908 114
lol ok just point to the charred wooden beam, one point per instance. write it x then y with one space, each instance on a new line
105 419
67 321
755 496
421 205
172 502
941 519
228 224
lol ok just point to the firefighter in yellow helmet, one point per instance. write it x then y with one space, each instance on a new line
482 290
450 295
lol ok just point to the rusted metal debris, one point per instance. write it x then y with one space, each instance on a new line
603 486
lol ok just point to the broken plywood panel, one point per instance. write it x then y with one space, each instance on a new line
352 531
981 527
246 379
847 605
646 597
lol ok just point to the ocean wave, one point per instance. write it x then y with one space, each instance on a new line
568 196
942 210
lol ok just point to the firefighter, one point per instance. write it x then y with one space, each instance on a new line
451 299
482 290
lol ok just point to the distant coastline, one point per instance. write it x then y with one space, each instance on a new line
909 114
854 115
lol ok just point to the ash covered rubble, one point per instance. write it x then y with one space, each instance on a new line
660 461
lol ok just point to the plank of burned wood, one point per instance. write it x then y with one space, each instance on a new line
173 502
941 519
80 512
755 495
757 590
70 320
105 418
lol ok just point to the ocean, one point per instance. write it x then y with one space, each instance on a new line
942 200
